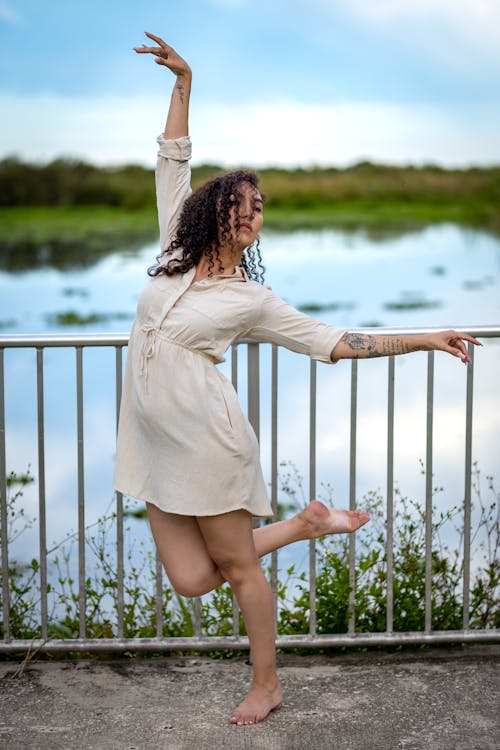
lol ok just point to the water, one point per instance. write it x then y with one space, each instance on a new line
441 276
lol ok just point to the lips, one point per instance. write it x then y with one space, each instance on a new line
246 227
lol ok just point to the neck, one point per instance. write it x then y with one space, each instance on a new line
228 260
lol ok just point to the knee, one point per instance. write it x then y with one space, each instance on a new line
190 585
236 571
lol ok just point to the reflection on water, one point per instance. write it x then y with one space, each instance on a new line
441 276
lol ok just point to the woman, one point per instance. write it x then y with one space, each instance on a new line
184 445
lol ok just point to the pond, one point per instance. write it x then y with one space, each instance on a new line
442 276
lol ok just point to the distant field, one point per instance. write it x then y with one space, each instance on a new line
82 208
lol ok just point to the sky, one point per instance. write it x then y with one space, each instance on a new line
275 82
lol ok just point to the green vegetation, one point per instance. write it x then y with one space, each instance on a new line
332 585
317 307
69 212
372 195
413 302
70 237
73 318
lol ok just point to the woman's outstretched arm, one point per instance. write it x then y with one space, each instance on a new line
362 345
177 124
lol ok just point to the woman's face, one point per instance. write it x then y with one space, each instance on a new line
246 215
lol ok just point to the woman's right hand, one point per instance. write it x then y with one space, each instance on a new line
166 55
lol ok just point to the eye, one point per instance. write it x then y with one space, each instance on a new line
258 209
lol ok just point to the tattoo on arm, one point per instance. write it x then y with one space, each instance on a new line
360 342
365 345
180 89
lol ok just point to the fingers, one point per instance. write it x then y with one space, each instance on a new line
163 49
466 337
151 50
456 346
459 350
157 39
165 55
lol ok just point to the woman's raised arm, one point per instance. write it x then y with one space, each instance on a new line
177 124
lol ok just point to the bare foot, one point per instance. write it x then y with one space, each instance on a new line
259 702
319 520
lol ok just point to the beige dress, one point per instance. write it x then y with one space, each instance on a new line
183 442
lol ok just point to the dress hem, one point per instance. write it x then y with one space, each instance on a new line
217 512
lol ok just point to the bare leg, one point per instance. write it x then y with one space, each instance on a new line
192 571
198 556
230 543
314 521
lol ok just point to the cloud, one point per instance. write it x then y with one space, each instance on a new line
457 37
450 29
290 132
454 11
112 130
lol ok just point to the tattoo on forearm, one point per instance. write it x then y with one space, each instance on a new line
180 89
360 342
365 345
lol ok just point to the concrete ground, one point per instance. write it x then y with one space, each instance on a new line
442 699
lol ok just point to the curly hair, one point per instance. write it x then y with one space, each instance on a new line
204 225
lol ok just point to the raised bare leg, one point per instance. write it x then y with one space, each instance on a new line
230 543
314 521
192 571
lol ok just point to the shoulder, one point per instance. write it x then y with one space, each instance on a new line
260 291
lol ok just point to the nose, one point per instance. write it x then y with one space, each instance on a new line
247 210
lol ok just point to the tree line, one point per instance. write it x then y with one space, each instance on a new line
67 182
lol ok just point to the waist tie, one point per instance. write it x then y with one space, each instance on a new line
148 351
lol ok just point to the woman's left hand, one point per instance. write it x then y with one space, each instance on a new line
165 55
451 342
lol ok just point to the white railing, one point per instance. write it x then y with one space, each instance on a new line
199 641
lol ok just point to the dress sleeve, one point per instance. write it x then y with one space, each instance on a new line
281 324
173 183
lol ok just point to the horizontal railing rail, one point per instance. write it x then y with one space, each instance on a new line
199 641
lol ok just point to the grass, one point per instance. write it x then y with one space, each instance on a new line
70 236
388 216
38 224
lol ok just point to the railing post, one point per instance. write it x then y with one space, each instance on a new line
428 493
159 595
120 607
274 472
234 381
42 520
82 591
254 388
352 494
312 494
389 548
3 508
467 489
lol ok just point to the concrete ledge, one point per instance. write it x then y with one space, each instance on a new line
439 699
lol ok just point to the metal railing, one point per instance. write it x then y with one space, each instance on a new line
40 343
